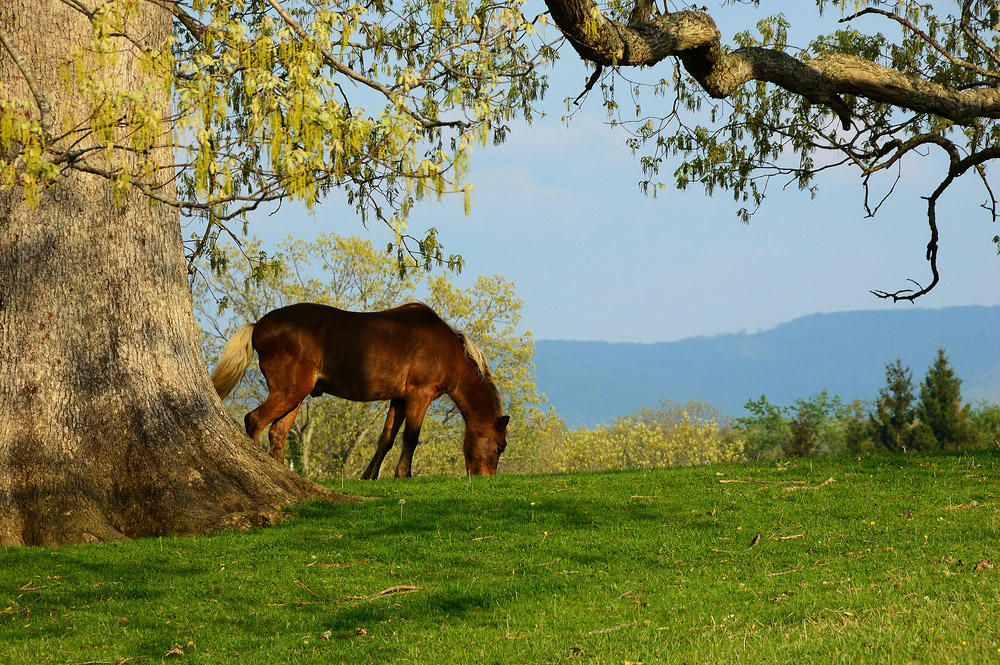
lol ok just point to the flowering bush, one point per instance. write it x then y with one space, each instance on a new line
669 435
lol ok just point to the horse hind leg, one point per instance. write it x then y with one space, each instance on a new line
415 411
393 419
277 435
289 382
275 409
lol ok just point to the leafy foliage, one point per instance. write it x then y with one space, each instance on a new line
812 426
667 435
263 100
899 80
985 418
285 99
766 428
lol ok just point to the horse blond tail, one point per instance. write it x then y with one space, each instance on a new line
236 357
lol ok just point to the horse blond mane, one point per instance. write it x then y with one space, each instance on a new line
478 359
476 355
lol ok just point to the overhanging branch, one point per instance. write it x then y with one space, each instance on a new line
694 37
826 80
958 167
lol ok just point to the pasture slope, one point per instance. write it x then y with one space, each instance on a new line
880 559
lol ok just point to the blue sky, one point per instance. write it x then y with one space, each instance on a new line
557 210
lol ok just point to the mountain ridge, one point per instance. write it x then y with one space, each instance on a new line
592 382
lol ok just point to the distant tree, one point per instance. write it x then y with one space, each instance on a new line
820 424
816 425
803 429
892 421
765 429
942 421
489 312
985 419
854 428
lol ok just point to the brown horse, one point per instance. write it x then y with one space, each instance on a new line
406 355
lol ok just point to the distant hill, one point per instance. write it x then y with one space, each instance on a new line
845 353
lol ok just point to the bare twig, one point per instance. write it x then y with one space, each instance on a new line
590 84
308 589
399 588
29 78
828 481
796 536
611 629
959 166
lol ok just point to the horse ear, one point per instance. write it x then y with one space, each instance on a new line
501 423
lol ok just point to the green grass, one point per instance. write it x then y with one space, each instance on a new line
877 566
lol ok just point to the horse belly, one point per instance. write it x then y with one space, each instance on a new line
360 386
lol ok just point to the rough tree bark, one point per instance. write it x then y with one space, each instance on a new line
110 426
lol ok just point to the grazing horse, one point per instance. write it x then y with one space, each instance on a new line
407 355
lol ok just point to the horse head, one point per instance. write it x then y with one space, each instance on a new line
483 446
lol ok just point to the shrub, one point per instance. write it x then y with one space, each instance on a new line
669 435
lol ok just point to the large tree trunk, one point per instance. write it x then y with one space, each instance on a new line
109 426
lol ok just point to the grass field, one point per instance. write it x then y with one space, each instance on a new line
884 559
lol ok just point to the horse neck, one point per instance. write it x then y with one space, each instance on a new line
477 397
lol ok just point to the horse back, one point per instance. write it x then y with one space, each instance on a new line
361 356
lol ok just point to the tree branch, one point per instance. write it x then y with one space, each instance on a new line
29 77
694 38
959 166
194 27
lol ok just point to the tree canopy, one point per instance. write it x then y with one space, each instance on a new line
892 420
895 81
943 421
282 99
276 100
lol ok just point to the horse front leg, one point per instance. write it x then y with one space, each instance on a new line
393 419
415 411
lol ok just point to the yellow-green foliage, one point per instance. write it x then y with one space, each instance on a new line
268 100
672 435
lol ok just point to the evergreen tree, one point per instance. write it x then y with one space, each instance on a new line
892 422
942 420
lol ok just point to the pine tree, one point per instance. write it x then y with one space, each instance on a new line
942 420
892 422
